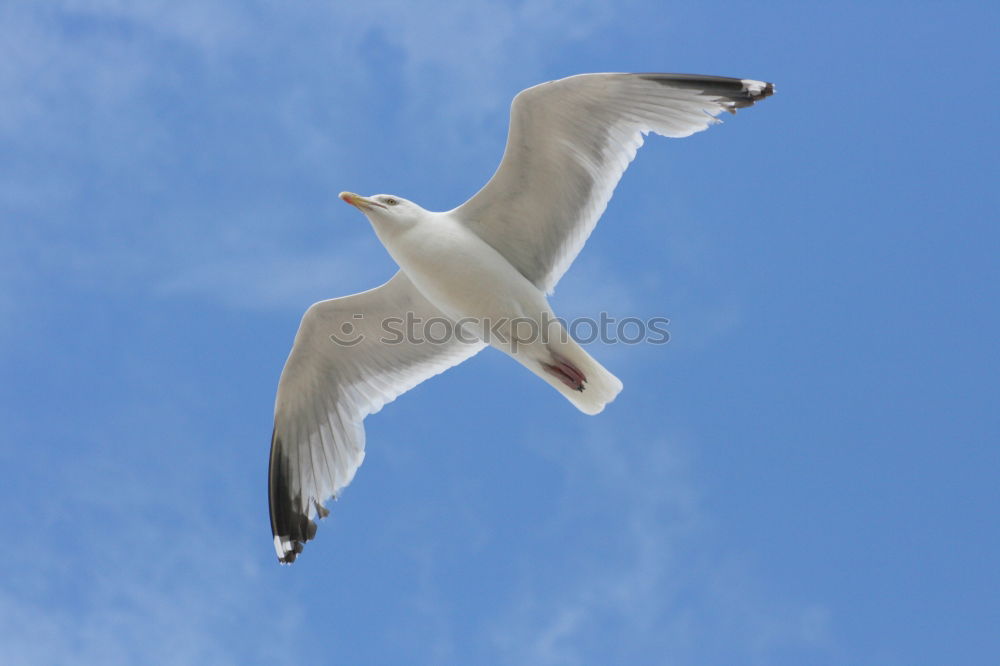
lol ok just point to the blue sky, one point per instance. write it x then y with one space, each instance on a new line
805 474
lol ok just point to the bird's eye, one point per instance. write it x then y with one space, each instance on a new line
390 201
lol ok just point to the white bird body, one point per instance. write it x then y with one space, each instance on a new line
456 269
477 288
484 267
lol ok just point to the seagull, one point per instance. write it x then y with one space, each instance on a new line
481 271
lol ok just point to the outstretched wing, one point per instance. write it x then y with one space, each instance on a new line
349 359
569 143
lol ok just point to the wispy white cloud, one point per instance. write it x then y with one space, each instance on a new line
658 584
124 567
105 85
291 281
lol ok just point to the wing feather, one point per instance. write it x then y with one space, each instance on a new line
326 390
568 145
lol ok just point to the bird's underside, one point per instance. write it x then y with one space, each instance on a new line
569 143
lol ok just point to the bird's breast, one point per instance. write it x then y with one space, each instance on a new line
463 275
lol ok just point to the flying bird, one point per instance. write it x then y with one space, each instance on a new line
485 267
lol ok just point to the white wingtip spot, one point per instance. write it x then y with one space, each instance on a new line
753 87
758 88
281 547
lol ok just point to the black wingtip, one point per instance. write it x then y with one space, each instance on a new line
739 93
290 527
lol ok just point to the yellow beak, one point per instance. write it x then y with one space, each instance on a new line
359 201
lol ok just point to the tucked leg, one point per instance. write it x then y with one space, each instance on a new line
568 373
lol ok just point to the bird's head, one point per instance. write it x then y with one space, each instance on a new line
397 211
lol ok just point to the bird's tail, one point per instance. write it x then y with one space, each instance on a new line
565 365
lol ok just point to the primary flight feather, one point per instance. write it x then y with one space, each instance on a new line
485 266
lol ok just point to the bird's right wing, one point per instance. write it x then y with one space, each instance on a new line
569 143
351 356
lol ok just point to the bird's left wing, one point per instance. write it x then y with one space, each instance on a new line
569 143
351 356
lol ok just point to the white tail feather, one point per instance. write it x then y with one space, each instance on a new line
600 387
